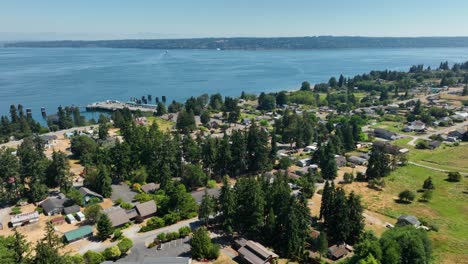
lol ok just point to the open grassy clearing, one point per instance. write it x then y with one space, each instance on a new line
446 157
447 209
164 125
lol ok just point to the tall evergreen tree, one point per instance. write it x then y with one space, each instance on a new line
207 208
227 202
47 249
104 227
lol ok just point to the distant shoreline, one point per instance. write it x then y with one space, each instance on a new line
283 43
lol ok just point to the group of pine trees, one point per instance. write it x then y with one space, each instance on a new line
15 249
19 124
341 214
30 173
263 209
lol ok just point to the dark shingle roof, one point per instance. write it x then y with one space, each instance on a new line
52 204
146 208
150 187
71 209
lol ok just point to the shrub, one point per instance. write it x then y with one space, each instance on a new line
139 219
16 210
162 237
424 144
153 223
143 197
119 201
172 236
117 234
213 252
171 218
126 206
136 187
348 177
428 184
125 245
211 184
406 195
360 177
185 231
112 253
93 257
427 195
454 176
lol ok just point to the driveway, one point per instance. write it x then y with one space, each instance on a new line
175 248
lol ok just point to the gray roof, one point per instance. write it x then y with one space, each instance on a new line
118 217
146 208
409 219
255 253
86 191
71 209
150 187
52 204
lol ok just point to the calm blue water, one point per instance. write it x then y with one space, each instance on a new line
64 76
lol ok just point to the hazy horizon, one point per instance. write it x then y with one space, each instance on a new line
91 20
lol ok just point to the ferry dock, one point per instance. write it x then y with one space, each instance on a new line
112 106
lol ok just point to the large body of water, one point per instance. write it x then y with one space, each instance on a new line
63 76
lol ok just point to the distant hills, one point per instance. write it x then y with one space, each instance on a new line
245 43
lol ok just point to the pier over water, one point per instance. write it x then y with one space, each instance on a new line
112 106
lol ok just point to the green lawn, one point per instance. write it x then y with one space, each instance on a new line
163 124
447 210
452 158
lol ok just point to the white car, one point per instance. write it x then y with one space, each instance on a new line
389 225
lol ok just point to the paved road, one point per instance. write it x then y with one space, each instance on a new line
140 240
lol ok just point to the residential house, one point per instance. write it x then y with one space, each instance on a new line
88 195
415 126
49 140
408 220
434 144
120 216
24 219
458 133
146 209
357 160
150 187
71 209
254 253
304 162
141 120
340 161
336 252
310 148
80 233
385 134
53 206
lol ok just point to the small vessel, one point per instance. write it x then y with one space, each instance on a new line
43 112
218 49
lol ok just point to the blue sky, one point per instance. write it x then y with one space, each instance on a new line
94 19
